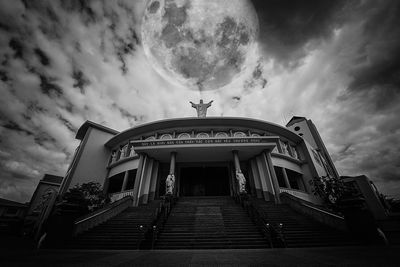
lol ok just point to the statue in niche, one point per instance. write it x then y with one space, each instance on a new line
285 148
113 157
132 152
201 108
241 181
122 153
170 184
294 151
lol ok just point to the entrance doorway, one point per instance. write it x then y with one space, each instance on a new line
204 181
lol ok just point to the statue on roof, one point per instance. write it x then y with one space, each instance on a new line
201 108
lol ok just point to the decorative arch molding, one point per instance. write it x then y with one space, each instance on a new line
166 136
184 136
202 135
255 135
239 134
150 138
221 135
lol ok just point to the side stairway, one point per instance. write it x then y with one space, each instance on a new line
302 231
121 232
209 223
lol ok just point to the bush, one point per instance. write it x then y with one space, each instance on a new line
330 190
88 195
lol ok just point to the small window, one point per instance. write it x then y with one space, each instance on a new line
300 134
279 176
297 128
12 211
115 183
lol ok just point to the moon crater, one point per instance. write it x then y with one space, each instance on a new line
202 44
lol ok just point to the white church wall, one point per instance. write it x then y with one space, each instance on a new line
127 165
91 166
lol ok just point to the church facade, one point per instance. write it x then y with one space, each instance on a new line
204 156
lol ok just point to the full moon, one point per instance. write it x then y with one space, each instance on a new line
201 44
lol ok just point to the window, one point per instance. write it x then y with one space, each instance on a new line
316 157
202 135
131 179
297 128
221 135
11 211
279 176
239 134
115 182
184 136
166 136
295 179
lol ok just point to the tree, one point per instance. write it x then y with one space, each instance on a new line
330 190
88 195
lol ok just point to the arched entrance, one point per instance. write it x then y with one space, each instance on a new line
204 181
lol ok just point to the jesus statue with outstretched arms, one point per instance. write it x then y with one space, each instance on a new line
201 108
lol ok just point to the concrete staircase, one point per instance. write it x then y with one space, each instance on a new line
301 231
120 232
209 223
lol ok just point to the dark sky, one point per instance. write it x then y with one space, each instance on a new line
64 62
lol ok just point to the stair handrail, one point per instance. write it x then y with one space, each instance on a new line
160 217
99 216
272 232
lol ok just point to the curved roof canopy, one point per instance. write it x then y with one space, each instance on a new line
193 123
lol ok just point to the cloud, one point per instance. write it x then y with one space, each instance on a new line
288 28
64 62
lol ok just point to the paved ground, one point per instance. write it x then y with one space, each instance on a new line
342 256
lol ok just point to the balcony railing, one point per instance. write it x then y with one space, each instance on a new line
119 195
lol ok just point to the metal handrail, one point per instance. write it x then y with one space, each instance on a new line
272 232
160 217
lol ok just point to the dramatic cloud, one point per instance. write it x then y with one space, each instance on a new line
64 62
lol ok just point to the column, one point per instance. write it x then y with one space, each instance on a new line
154 181
144 194
139 175
171 180
172 163
238 173
236 160
274 179
256 176
125 182
266 187
285 177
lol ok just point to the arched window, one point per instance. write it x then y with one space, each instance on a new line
202 135
184 136
221 135
166 136
239 134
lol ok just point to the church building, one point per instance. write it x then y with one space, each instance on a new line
204 155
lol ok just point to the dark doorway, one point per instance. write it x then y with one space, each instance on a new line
204 181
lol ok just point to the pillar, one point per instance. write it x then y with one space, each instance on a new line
236 160
172 163
170 182
265 186
145 188
139 175
274 179
153 183
256 176
125 182
285 177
